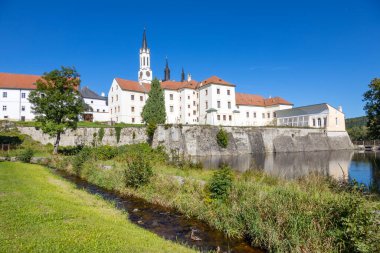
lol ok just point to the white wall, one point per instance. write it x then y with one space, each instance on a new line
16 104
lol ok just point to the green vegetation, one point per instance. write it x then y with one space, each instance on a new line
357 128
101 133
222 138
154 108
312 214
57 102
118 132
356 122
26 155
39 212
138 172
372 108
221 183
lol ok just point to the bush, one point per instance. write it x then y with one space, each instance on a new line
138 172
79 159
222 138
105 152
26 155
221 183
70 150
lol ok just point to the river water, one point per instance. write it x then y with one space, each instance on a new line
363 167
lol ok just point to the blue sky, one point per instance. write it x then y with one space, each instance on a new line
304 51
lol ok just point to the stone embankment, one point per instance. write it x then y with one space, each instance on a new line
201 140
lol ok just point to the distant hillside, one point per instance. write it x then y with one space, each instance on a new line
356 122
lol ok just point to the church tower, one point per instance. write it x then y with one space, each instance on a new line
145 73
167 71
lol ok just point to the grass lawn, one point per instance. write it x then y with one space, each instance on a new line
40 212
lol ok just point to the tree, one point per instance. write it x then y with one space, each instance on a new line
57 102
154 109
372 108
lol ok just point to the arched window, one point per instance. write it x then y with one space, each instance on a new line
144 61
147 61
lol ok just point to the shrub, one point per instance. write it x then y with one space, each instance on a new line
26 155
70 150
138 172
133 135
105 152
79 159
118 131
101 134
222 138
221 183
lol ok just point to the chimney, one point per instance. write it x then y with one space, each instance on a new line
102 94
189 77
340 108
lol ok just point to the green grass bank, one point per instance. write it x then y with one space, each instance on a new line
40 212
312 214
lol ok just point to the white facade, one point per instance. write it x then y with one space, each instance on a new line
14 104
321 116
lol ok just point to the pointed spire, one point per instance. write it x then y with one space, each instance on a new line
182 75
167 71
144 43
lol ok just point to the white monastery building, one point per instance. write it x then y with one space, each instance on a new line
14 103
211 101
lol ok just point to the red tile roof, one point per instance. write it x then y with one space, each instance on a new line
145 87
216 80
133 85
256 100
18 81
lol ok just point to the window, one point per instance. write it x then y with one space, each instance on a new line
206 92
230 117
5 94
23 108
224 117
229 105
313 122
133 120
141 98
23 95
188 114
117 98
228 92
112 99
268 115
218 117
247 114
4 107
319 122
218 104
97 110
171 96
274 114
171 109
5 117
93 101
188 106
217 91
104 110
132 109
254 115
188 97
263 115
325 122
336 121
111 111
206 105
118 108
132 97
22 118
194 112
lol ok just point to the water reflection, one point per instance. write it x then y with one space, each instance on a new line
351 165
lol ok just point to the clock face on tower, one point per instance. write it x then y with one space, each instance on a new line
148 74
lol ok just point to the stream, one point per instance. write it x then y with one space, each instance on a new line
167 223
